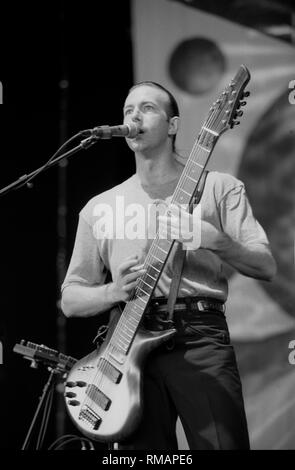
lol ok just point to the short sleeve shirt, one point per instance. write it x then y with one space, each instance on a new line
121 222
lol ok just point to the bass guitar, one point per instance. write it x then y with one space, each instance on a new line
103 390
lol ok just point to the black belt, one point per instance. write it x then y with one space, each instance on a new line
195 304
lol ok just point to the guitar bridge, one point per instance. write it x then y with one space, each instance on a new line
88 415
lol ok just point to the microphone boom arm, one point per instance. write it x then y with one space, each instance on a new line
25 179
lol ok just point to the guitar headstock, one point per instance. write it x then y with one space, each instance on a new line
226 109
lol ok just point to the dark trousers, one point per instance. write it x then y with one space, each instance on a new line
196 378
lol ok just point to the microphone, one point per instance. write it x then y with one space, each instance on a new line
107 132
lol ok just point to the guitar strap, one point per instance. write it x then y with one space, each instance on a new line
180 256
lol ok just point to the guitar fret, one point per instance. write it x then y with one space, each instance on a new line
204 148
134 314
132 325
131 313
189 186
183 190
120 337
154 256
193 179
152 266
131 319
210 130
164 251
151 276
135 305
116 348
125 332
146 293
125 346
146 283
159 252
129 329
122 345
196 163
140 298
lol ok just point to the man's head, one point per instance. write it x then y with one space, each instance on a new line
155 110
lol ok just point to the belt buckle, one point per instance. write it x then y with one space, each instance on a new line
223 308
200 306
219 307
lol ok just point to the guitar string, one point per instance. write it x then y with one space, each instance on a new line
193 157
99 377
184 176
187 170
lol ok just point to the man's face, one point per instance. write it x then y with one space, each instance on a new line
146 106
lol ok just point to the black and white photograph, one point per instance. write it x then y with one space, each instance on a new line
147 194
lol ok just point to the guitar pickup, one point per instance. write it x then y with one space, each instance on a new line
88 415
98 397
110 371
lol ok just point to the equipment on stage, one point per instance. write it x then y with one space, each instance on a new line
40 354
57 364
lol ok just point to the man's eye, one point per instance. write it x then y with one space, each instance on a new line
148 107
127 111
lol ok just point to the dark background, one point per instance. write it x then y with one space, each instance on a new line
65 67
89 46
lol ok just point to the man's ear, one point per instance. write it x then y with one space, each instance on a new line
173 125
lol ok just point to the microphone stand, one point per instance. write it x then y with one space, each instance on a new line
46 390
24 180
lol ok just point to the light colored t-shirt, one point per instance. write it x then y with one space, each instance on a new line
121 222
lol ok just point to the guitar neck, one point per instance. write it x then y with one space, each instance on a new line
221 117
161 248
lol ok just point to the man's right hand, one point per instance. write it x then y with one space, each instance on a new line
121 289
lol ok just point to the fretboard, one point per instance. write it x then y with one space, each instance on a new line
160 248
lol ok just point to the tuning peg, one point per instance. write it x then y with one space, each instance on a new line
243 103
239 113
246 94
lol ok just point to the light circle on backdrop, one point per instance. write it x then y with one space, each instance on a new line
196 65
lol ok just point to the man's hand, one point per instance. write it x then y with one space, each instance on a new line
125 280
188 228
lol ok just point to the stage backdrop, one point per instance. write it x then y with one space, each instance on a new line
195 55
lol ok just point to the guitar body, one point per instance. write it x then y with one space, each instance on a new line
119 392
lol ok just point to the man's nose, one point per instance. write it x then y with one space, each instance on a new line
136 115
